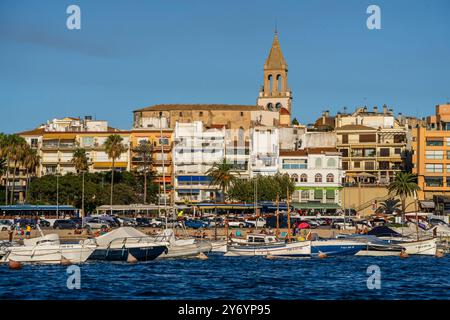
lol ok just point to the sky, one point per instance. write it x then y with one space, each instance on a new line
132 54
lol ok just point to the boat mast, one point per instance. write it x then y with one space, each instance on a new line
278 214
288 215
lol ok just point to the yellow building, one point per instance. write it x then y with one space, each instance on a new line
431 154
162 164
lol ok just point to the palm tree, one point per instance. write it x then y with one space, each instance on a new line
81 162
389 206
403 186
145 151
30 162
16 153
114 148
222 176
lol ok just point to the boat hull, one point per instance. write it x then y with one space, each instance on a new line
335 247
188 250
422 247
294 249
141 253
50 254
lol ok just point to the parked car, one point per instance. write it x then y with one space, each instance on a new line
213 221
195 224
340 224
312 223
127 222
96 223
143 222
259 222
237 223
156 223
24 222
44 223
64 224
173 224
6 224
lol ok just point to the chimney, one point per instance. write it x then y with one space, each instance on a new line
375 109
385 109
87 117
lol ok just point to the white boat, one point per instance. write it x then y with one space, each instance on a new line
374 246
181 248
219 246
264 245
48 249
421 247
335 247
124 243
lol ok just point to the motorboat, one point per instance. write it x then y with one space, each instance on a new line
269 245
181 248
335 247
126 243
48 249
375 246
219 246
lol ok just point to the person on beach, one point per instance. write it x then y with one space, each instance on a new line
28 231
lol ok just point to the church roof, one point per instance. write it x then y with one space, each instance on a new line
207 107
275 60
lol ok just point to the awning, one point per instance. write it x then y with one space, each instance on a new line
365 175
188 191
193 178
315 205
109 164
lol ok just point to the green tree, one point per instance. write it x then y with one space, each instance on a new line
389 206
295 122
404 185
144 150
16 150
31 163
114 148
80 160
222 175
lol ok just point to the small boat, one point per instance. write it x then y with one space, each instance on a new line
335 247
181 248
219 246
121 243
48 249
375 247
264 245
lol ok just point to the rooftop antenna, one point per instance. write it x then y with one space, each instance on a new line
276 28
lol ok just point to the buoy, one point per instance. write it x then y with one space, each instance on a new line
440 253
202 256
322 255
403 254
131 258
65 261
14 265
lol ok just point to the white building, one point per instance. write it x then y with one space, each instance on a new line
195 151
318 174
264 151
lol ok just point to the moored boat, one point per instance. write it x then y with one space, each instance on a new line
335 247
181 248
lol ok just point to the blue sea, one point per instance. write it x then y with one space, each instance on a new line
219 277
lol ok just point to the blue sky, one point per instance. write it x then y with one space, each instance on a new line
132 54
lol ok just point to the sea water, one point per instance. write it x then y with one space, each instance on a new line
219 277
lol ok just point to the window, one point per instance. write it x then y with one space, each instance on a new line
448 168
279 82
318 163
367 138
434 181
448 155
278 106
163 141
448 142
303 178
369 152
434 154
180 114
331 163
294 177
431 167
330 177
369 166
356 164
345 138
398 151
399 138
318 178
448 181
344 165
34 143
201 113
330 194
318 194
270 78
435 142
384 152
242 114
344 152
270 106
305 194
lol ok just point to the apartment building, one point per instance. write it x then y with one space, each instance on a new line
431 154
372 144
318 176
195 150
264 151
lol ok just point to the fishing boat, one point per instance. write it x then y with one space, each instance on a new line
263 245
48 249
219 246
335 247
126 243
181 248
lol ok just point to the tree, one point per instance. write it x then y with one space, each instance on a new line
222 175
30 162
403 186
145 152
16 148
295 122
114 148
80 160
81 163
389 206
